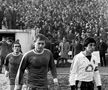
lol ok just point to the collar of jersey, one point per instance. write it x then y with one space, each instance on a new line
37 52
16 55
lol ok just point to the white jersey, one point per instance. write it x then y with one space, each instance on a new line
83 69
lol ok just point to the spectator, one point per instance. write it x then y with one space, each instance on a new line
8 16
1 17
64 49
3 52
102 46
70 36
48 44
9 42
77 47
56 53
14 16
72 45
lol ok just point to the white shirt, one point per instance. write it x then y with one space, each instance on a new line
84 70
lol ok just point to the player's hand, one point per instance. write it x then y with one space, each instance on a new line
24 87
6 74
17 87
26 71
55 81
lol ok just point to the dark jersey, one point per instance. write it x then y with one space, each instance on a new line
12 64
38 65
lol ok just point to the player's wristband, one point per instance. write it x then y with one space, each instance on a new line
17 87
55 80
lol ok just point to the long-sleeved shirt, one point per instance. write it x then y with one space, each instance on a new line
37 65
12 63
83 69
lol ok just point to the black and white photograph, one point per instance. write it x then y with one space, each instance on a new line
53 44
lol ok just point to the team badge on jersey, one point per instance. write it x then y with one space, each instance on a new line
89 68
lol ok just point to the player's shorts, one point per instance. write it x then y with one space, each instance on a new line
82 85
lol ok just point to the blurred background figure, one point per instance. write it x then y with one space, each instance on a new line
9 42
72 47
1 17
64 49
77 47
102 46
3 52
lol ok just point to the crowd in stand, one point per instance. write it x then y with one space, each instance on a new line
47 15
54 19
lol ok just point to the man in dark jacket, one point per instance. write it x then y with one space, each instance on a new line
3 51
77 47
1 17
102 49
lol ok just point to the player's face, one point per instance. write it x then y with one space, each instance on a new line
39 44
90 47
16 48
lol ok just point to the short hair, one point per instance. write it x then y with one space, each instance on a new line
41 37
88 40
4 38
16 43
